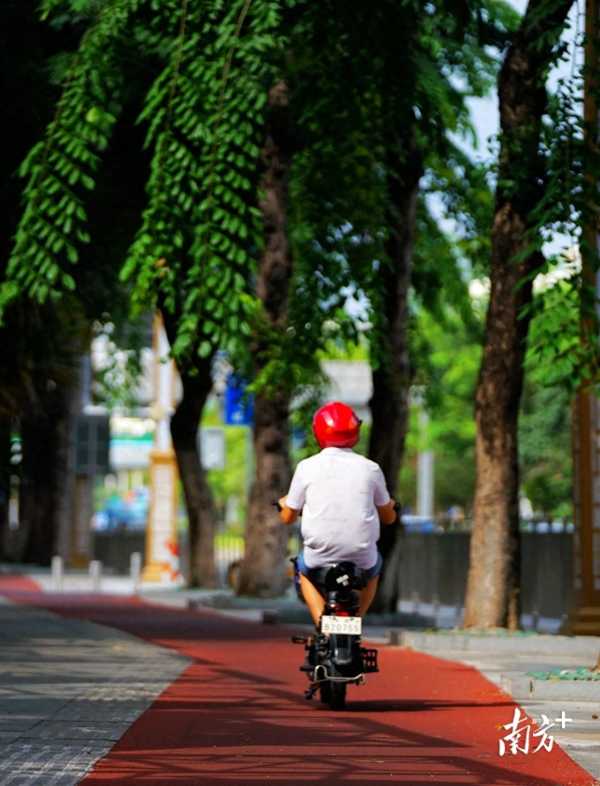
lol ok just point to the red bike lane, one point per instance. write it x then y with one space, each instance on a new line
237 716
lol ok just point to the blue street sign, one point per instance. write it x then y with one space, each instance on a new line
239 405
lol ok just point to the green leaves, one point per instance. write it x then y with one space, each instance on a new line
205 115
561 349
201 233
61 169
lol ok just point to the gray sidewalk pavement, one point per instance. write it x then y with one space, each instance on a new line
69 690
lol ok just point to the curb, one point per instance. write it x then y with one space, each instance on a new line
523 687
586 647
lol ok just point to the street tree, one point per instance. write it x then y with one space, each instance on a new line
205 182
300 273
194 254
354 180
444 57
49 335
446 346
36 342
522 187
263 570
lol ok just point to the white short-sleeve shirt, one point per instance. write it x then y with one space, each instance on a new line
337 491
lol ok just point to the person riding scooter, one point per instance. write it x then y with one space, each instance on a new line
342 497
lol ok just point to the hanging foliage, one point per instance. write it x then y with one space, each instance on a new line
61 169
201 232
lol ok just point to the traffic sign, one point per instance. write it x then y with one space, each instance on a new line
239 405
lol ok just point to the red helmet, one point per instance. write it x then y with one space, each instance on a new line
335 425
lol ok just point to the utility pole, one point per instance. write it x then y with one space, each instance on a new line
425 470
161 529
585 616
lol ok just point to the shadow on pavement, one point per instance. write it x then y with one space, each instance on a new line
236 714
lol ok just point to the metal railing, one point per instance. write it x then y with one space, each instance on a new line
433 574
433 577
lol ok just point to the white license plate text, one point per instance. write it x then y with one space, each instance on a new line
333 624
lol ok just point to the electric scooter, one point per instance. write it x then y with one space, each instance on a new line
334 655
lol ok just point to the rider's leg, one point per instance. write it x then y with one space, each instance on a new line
314 599
366 595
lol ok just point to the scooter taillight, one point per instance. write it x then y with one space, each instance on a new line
341 612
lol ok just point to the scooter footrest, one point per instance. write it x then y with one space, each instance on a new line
369 657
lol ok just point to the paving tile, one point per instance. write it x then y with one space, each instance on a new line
68 691
48 765
76 730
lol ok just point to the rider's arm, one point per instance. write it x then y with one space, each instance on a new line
386 506
296 495
287 515
387 512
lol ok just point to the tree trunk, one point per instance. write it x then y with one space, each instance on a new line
196 385
493 583
263 570
5 474
391 378
45 432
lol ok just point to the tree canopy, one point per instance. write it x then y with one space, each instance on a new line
143 186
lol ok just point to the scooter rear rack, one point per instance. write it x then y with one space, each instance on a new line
368 654
369 657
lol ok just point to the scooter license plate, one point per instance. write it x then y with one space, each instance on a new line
332 624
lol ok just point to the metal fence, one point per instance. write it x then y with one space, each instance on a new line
114 550
433 574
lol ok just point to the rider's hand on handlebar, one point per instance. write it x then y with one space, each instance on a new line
287 515
387 513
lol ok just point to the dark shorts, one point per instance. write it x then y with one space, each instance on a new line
370 572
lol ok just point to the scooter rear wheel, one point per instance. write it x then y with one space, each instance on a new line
325 692
334 694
